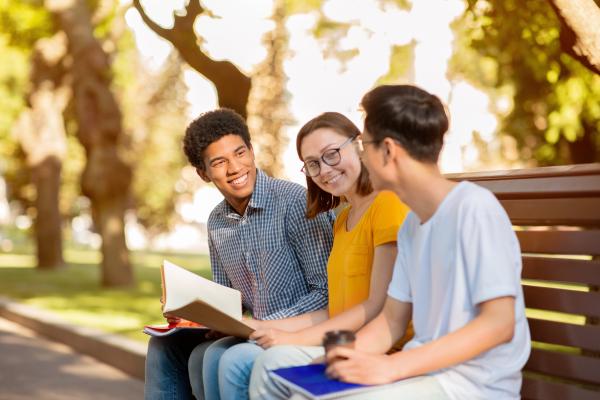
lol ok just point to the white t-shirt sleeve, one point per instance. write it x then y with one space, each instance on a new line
490 248
399 287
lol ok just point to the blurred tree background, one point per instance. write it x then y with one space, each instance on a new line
525 50
90 135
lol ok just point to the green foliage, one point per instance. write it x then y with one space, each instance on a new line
75 295
155 118
13 81
302 6
24 22
555 113
401 62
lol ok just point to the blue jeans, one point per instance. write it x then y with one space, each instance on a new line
227 364
167 373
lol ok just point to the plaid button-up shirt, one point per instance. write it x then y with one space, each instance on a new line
273 254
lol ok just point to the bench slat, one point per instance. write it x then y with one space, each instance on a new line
560 242
548 212
582 336
564 186
568 366
561 270
567 301
537 389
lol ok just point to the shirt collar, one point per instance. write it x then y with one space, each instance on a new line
261 192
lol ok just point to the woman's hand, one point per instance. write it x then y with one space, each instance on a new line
251 322
266 338
171 319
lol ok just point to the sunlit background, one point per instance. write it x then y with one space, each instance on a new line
318 83
378 42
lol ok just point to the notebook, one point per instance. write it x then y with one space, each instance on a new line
311 381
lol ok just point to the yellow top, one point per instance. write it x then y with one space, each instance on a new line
351 258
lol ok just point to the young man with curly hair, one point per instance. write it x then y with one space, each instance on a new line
260 243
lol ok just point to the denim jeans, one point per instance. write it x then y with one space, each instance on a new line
167 373
227 364
184 366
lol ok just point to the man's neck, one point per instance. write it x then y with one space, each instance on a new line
424 189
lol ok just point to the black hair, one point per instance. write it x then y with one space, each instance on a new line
210 127
409 115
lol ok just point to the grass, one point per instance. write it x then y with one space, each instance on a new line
74 292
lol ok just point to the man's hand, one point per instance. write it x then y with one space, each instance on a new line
266 338
353 366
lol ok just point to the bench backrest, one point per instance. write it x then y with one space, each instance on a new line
556 214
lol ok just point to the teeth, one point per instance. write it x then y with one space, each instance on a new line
242 179
334 179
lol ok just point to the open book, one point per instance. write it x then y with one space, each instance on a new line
189 296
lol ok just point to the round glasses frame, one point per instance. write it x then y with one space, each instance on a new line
331 157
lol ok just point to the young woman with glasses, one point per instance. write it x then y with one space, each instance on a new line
362 257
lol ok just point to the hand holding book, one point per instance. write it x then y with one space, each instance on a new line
194 298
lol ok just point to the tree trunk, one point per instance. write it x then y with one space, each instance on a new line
267 111
584 150
46 178
106 177
109 218
41 133
580 33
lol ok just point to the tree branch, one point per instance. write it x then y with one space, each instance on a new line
580 30
233 87
159 30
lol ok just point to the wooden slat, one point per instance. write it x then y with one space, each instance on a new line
537 389
523 173
562 181
561 270
581 211
563 186
560 242
582 336
568 366
568 301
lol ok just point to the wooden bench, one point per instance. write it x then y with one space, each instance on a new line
555 212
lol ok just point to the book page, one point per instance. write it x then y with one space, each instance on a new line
197 299
182 287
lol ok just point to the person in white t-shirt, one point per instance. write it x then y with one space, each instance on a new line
457 273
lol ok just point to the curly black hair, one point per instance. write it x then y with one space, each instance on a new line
210 127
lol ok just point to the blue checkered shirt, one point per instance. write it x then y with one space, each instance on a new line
273 254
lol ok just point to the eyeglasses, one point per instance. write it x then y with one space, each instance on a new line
330 157
360 143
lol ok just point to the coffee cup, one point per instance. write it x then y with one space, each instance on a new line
333 339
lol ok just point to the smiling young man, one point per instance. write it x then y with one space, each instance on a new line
260 243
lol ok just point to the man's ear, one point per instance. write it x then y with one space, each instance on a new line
202 174
388 148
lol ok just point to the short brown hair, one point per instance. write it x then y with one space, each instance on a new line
318 200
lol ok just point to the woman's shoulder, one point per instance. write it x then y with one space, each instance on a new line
388 205
387 198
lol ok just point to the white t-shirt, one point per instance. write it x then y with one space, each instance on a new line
465 254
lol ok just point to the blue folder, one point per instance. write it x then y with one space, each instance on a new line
311 381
